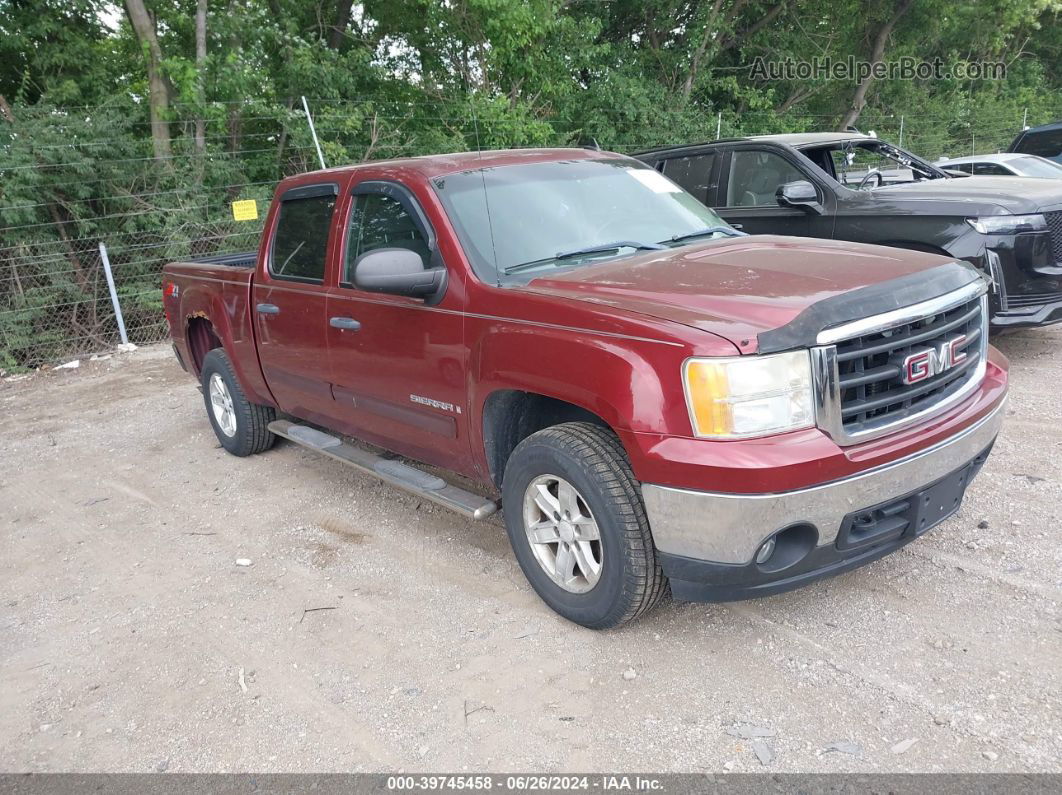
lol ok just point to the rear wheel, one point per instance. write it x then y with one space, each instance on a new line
242 427
576 521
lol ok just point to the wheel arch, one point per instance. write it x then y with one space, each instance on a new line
511 415
209 321
201 338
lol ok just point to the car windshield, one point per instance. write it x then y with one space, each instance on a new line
872 164
1039 167
515 222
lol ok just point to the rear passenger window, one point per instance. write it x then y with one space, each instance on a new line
1046 144
301 240
692 173
990 170
381 222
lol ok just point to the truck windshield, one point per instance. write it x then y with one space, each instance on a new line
515 222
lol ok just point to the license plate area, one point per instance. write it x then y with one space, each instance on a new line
910 515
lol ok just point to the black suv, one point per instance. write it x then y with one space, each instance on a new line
851 186
1045 141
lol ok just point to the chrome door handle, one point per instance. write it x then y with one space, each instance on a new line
345 323
268 309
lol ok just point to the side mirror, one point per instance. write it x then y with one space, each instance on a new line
801 195
398 271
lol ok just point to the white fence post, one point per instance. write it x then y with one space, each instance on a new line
114 293
719 126
900 144
313 132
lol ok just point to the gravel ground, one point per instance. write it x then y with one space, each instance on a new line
376 632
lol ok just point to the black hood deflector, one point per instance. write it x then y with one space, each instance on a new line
875 299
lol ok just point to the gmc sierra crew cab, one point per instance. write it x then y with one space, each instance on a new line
659 401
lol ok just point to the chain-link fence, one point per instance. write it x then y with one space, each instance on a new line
60 197
56 302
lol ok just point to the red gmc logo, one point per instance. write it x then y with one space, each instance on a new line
928 362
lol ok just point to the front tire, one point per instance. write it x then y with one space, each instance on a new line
242 427
577 525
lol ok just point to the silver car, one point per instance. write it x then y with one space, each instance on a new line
1006 164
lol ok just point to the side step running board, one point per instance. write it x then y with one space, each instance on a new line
388 470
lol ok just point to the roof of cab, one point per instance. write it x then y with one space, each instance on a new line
439 165
792 139
1054 125
807 139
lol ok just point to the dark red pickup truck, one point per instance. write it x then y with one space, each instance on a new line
659 400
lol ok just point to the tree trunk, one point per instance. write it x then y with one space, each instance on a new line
877 53
335 36
200 77
235 120
759 25
282 141
158 88
702 48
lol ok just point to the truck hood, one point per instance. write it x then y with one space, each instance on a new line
739 288
1016 195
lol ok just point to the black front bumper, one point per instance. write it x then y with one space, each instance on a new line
1026 316
1028 280
864 536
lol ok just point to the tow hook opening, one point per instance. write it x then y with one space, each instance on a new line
787 547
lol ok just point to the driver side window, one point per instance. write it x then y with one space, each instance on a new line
755 177
378 221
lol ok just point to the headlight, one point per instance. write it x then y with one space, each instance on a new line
1008 224
743 396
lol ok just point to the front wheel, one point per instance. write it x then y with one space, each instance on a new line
242 427
576 521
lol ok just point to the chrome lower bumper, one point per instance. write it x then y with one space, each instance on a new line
729 528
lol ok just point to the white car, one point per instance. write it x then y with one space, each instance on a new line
1005 164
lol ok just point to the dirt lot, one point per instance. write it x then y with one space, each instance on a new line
374 632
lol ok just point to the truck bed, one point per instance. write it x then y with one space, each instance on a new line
238 259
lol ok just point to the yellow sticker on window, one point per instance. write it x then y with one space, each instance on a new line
245 210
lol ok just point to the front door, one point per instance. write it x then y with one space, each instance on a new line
289 302
398 366
747 196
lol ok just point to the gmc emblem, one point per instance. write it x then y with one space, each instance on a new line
922 364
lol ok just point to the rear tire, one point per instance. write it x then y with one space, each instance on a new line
242 427
577 524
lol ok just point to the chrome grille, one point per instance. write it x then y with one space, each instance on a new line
1054 223
913 364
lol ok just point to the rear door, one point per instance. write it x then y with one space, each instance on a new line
397 365
289 302
697 173
748 184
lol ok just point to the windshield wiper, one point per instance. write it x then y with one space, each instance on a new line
601 248
709 230
615 245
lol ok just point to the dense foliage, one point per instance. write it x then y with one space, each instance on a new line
118 126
